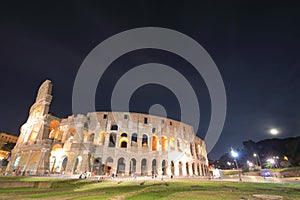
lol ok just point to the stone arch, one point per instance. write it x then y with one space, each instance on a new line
180 168
132 168
59 154
206 170
154 167
85 135
114 127
196 149
154 143
112 140
179 144
52 164
56 147
187 169
121 166
86 126
145 140
193 168
164 166
64 163
102 136
98 166
91 137
172 168
202 170
34 130
199 149
54 132
186 145
134 137
172 144
77 165
191 149
164 143
144 167
123 140
70 134
198 169
108 169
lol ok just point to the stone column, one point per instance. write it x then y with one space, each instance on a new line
106 140
206 170
184 172
10 166
129 141
159 166
200 169
127 166
115 166
79 136
27 162
117 140
71 163
190 169
79 166
176 166
196 169
149 167
139 141
38 168
85 166
168 171
150 143
138 166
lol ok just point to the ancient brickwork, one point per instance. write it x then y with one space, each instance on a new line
105 143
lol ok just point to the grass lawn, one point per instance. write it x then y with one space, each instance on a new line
285 169
174 189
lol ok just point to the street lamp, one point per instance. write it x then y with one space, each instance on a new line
257 159
235 154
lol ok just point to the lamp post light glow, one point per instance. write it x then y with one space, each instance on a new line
257 159
250 164
235 154
271 160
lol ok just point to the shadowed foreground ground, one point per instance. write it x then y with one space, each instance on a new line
169 189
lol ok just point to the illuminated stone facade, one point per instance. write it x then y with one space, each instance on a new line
4 139
105 143
7 138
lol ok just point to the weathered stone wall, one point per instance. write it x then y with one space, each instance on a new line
105 143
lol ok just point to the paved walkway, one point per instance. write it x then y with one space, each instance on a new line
233 178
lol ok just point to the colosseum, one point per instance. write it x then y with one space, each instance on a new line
104 143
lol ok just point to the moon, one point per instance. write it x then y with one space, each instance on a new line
274 131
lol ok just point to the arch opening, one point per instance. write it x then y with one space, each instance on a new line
164 143
112 140
154 167
121 166
145 140
144 169
123 140
154 143
134 140
132 168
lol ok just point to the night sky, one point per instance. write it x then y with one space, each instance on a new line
254 45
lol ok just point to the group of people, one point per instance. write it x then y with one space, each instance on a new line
83 175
